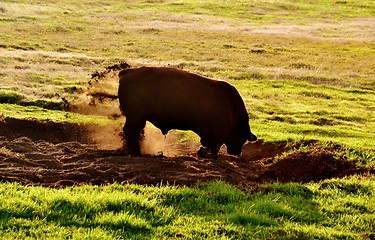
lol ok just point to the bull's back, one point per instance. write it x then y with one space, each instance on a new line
168 89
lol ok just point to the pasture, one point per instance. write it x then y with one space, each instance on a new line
305 70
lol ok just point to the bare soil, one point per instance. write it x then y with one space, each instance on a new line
63 154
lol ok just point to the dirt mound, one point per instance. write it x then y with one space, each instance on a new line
313 165
48 154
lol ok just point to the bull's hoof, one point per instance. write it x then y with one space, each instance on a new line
135 153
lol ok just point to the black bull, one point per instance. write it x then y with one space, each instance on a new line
174 99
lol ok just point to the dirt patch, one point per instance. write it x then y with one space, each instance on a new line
313 165
62 154
49 131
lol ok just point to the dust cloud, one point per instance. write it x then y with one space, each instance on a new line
169 145
108 137
88 105
99 97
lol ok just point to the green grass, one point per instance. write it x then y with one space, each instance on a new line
282 110
334 208
38 113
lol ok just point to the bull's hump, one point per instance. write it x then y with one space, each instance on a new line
124 72
175 77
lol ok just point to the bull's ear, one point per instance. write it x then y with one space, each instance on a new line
251 137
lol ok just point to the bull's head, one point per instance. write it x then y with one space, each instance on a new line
237 139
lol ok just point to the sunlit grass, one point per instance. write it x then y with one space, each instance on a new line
38 113
330 209
281 110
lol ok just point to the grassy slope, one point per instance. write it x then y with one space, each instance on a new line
304 68
286 49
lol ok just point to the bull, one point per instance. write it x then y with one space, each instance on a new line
171 98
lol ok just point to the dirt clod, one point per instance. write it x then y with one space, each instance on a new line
116 67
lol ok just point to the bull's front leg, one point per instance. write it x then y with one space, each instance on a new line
214 151
202 152
209 144
204 149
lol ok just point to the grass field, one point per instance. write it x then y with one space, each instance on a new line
332 209
305 69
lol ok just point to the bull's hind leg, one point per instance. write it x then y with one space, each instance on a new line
133 131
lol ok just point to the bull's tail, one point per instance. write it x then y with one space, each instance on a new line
104 95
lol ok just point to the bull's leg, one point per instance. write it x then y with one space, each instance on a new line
203 150
133 131
211 141
215 145
214 150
